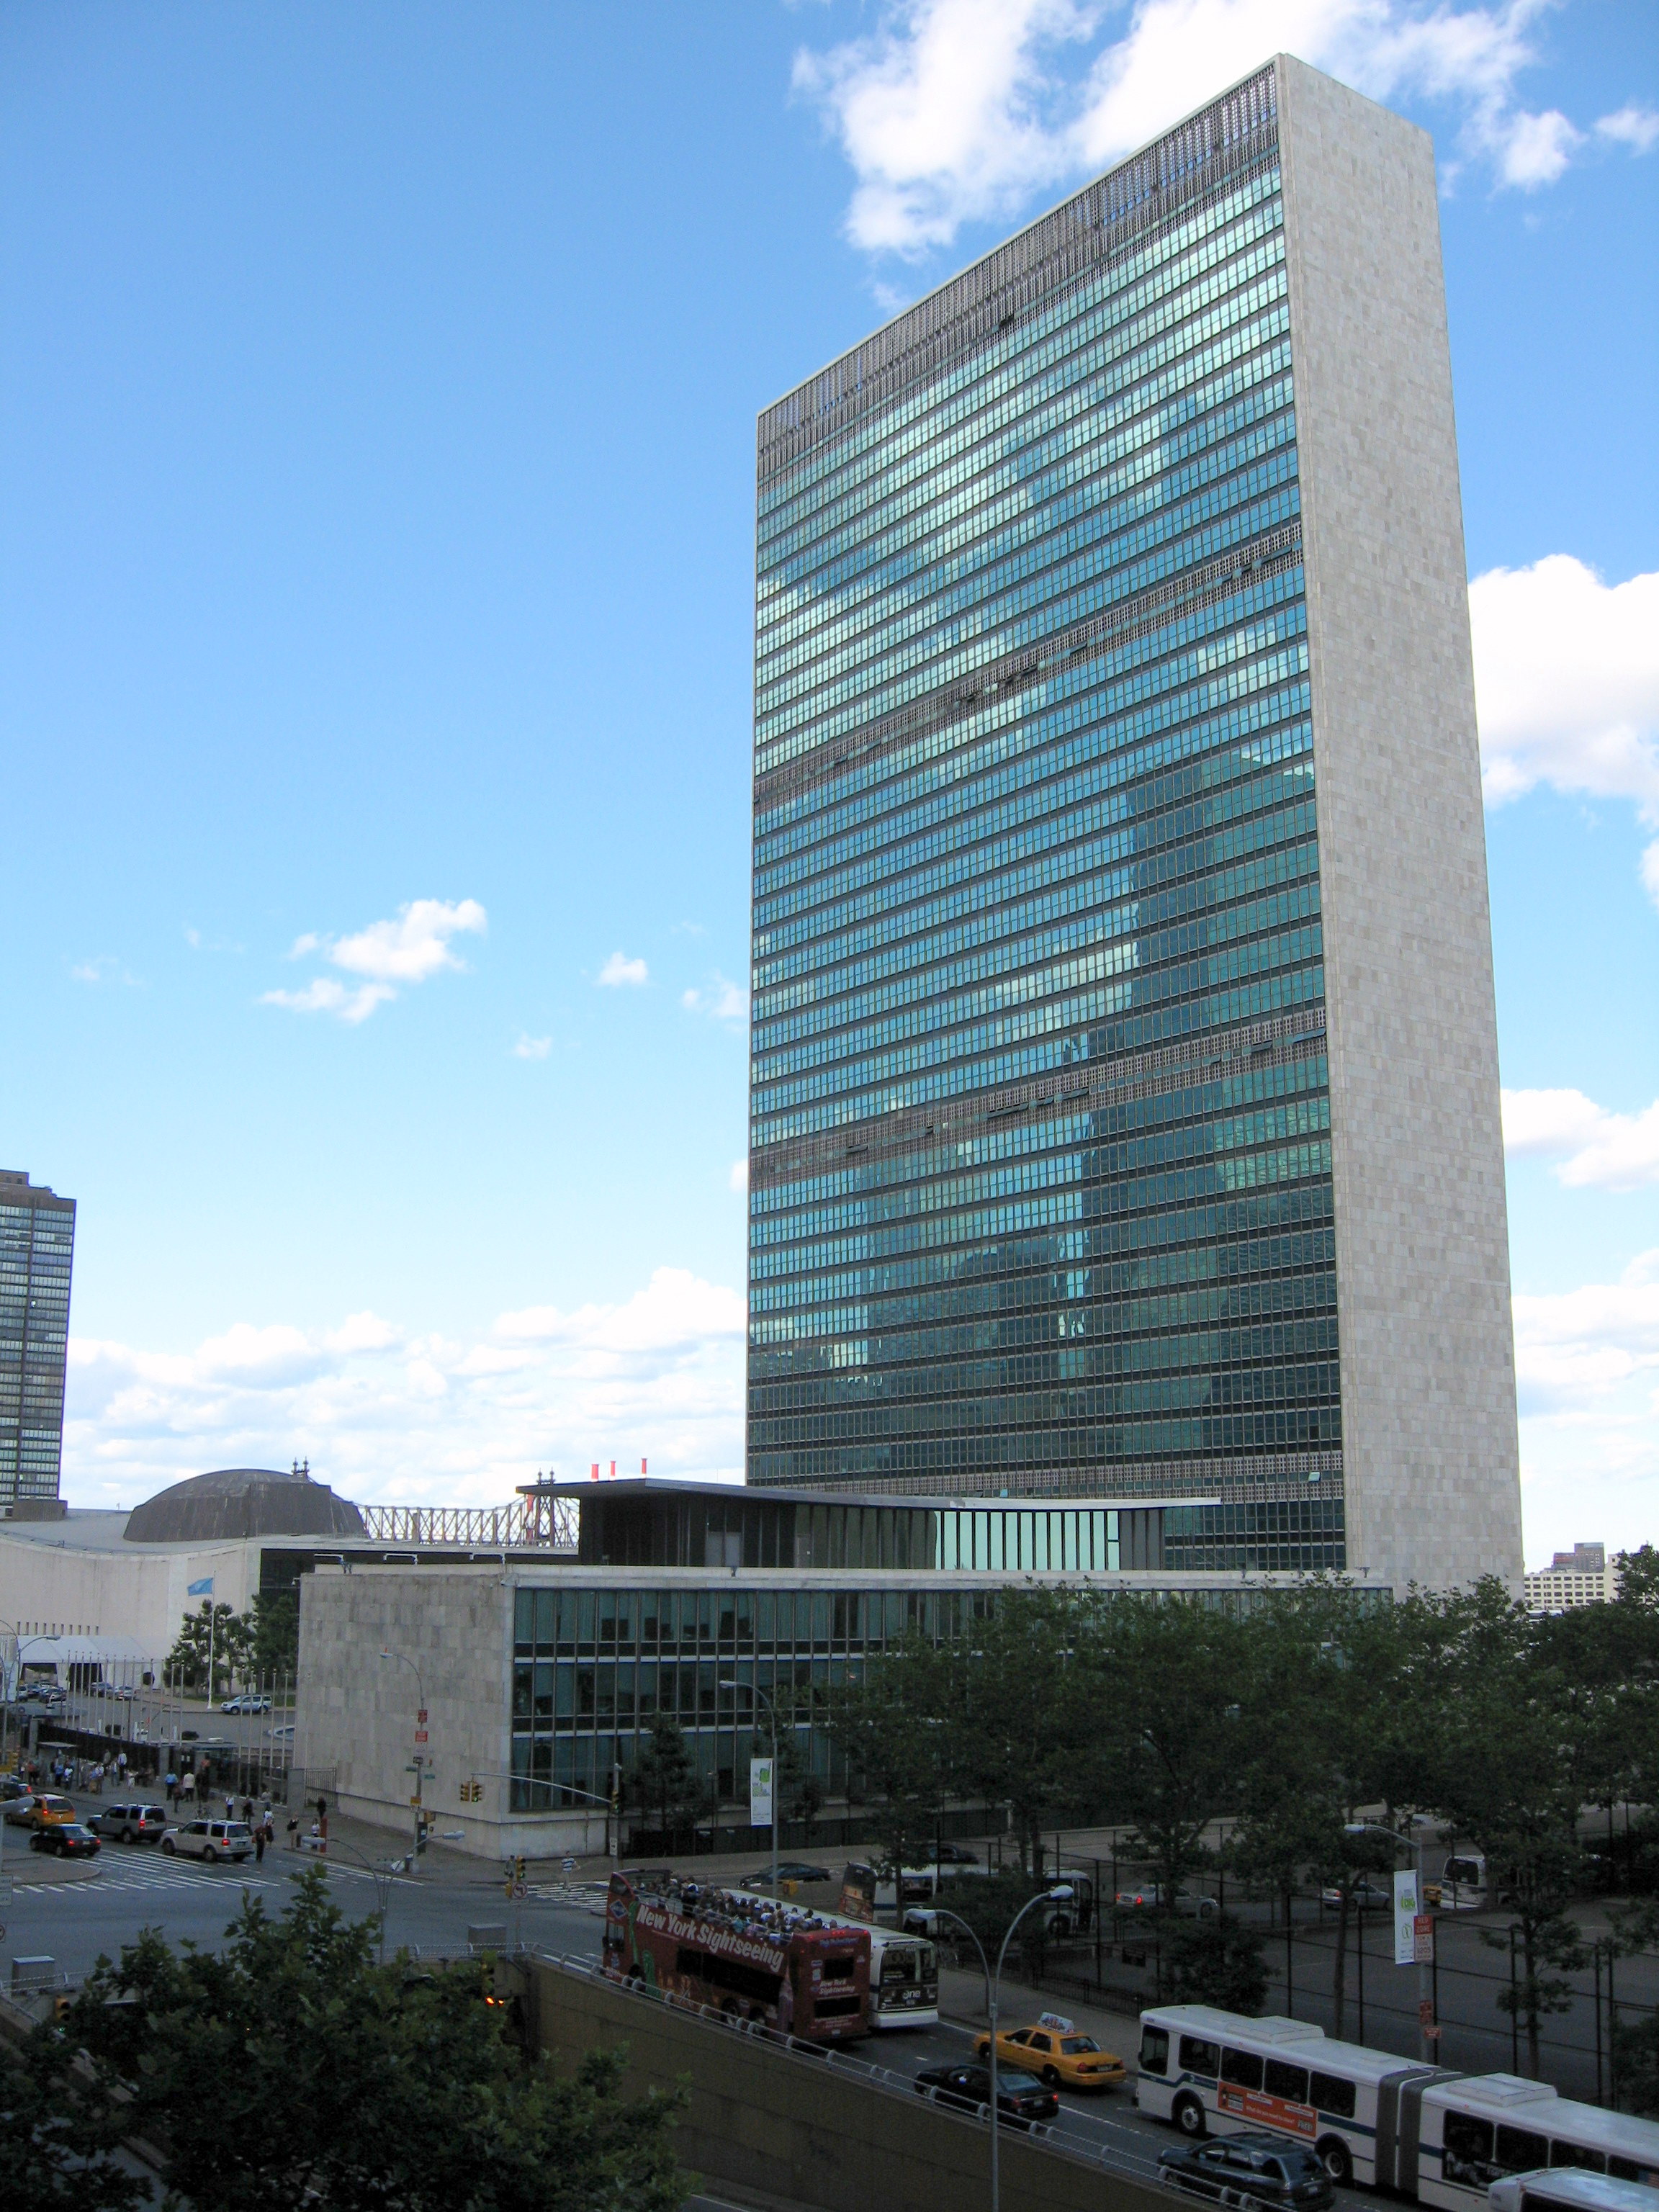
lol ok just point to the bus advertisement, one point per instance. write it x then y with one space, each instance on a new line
750 1958
1371 2116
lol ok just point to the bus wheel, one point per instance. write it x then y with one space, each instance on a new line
1333 2157
1188 2116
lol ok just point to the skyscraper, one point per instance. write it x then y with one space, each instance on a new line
1124 1111
37 1252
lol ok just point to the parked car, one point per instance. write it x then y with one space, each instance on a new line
283 1733
211 1840
788 1870
1056 2054
13 1786
968 2089
67 1839
131 1824
41 1809
249 1702
1366 1896
956 1855
122 1689
1252 2169
1148 1897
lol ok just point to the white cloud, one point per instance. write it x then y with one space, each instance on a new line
959 110
1588 1368
723 1001
1596 1149
322 995
385 1414
103 969
408 949
738 1175
1566 674
529 1048
1632 126
620 973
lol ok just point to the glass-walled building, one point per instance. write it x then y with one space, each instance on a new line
1056 1091
37 1256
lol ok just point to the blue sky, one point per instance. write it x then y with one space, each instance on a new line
376 523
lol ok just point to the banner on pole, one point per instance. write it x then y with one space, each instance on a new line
1406 1907
760 1793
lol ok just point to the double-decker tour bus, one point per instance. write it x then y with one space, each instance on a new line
1371 2116
903 1971
752 1958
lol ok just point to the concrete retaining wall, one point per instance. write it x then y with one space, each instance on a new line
772 2120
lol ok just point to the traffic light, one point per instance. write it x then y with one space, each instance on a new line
518 1868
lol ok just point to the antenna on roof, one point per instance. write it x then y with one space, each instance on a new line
302 1468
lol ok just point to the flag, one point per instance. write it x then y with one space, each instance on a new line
203 1588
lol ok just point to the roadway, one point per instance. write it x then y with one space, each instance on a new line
73 1916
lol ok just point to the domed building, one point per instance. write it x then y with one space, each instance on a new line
234 1503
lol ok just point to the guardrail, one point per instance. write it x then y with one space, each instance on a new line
1102 2157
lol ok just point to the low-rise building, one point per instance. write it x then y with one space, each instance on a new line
1580 1577
541 1679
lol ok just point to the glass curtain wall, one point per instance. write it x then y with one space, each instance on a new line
1041 1166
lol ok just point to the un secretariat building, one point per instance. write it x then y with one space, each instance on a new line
1125 1109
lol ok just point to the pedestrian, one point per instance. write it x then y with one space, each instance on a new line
187 1786
259 1845
173 1790
247 1810
230 1804
121 1765
292 1832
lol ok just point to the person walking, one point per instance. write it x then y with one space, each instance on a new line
173 1790
260 1845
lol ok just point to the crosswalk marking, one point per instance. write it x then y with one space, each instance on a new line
168 1874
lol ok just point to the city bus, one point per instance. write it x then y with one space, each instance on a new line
1475 2130
751 1957
1371 2116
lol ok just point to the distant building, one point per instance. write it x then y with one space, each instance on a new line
1580 1577
1125 1107
37 1252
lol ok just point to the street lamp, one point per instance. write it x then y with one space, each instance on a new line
754 1690
1424 2002
380 1875
1058 1895
420 1761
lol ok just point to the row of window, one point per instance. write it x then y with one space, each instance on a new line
1013 1451
892 629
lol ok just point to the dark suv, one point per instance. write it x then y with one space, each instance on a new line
131 1824
1255 2169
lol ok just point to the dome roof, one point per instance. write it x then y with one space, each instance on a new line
242 1501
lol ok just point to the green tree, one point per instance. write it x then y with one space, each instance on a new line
275 1635
288 2069
1521 1750
889 1724
53 2153
228 1633
667 1778
1214 1962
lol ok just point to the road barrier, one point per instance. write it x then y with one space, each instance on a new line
826 2128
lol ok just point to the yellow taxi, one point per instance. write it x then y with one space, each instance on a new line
1057 2054
43 1808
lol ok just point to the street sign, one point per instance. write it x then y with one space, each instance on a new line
420 1735
1423 1940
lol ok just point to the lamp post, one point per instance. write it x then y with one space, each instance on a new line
380 1875
754 1690
1413 1844
1058 1895
420 1757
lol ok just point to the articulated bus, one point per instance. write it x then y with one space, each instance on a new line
1371 2116
751 1957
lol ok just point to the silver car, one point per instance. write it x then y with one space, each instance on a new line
211 1840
